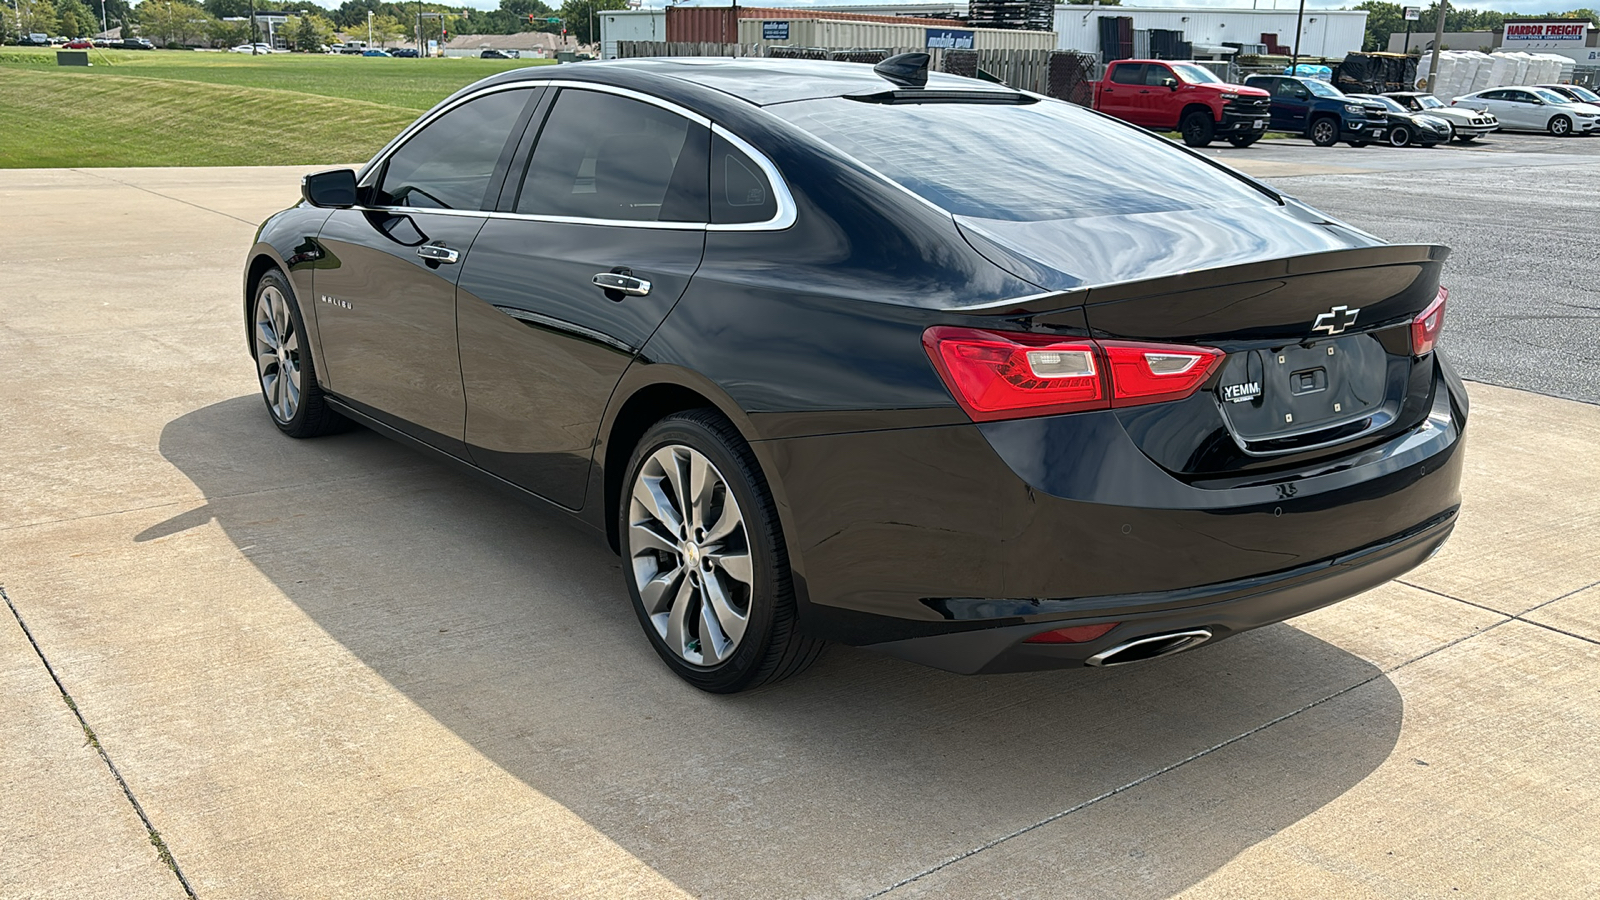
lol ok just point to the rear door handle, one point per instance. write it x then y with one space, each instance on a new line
626 284
438 253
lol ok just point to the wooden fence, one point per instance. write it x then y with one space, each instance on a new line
1062 74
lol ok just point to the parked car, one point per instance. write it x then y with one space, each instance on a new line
34 39
1533 109
79 44
254 49
1184 97
134 43
405 52
1574 92
491 53
1407 128
375 52
994 383
1466 125
1318 110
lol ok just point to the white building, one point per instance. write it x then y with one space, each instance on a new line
630 25
1325 33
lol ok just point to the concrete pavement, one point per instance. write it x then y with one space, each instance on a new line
335 668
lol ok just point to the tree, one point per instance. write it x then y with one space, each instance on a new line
386 29
309 33
34 16
581 16
74 20
176 22
229 34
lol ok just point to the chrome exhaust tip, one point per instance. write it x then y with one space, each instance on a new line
1150 647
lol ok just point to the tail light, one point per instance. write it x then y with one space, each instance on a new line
1008 375
1426 326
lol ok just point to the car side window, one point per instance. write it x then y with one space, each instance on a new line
740 191
1156 76
1128 74
450 162
602 156
1494 95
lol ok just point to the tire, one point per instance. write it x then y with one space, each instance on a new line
296 403
1197 129
1243 142
1560 126
728 623
1400 136
1325 131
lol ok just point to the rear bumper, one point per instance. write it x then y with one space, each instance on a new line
951 545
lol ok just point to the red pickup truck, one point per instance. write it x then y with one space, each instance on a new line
1183 97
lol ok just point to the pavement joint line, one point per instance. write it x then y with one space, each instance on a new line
155 836
1518 617
1151 776
165 196
209 500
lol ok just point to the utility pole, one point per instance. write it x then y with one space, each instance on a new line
253 48
1294 61
1438 38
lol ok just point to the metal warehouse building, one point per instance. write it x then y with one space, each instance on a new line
1327 33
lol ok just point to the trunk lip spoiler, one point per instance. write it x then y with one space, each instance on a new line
1253 271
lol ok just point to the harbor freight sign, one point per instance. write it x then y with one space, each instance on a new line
949 39
1567 34
774 31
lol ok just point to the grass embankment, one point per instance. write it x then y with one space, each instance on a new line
168 108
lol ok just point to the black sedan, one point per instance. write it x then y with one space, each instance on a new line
835 352
1408 128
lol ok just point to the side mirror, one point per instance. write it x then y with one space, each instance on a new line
333 189
1171 83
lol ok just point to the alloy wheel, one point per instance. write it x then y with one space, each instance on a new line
690 554
1560 126
277 354
1400 137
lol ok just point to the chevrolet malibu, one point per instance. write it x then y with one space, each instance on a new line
834 352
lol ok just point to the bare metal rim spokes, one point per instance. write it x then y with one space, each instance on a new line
690 552
277 354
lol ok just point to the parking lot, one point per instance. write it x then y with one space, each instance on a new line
336 668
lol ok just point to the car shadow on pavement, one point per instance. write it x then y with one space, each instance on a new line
511 627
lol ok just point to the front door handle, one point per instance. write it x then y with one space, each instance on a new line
622 284
438 253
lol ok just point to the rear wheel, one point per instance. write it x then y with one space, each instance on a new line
1198 129
1325 132
1560 126
1243 142
705 559
284 367
1400 136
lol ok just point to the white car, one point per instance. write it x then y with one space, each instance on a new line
252 48
1466 124
1574 92
1532 109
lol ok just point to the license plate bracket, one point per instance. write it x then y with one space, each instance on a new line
1284 391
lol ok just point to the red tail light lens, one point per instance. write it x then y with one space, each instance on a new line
1077 634
1426 326
1007 375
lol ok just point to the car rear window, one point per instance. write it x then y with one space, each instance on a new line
1041 161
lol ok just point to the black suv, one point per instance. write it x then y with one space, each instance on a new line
1320 111
134 43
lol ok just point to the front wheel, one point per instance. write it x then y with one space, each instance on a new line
1198 129
1400 136
1325 132
1243 142
1560 126
284 367
705 559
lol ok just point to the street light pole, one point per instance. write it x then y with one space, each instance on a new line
253 48
1294 61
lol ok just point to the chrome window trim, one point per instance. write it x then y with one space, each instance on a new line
784 218
786 213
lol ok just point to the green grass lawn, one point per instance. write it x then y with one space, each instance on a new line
173 108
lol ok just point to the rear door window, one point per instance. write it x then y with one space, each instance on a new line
1128 73
606 157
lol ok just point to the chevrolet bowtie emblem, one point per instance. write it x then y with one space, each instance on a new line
1336 320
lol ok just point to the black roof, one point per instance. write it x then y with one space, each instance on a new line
758 81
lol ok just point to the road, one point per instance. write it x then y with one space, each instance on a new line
1522 216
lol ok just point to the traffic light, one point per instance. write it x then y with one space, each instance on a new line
531 19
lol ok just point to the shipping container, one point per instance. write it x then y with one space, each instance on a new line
836 34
